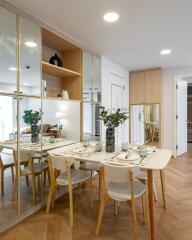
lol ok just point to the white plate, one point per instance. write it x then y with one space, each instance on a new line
128 156
83 150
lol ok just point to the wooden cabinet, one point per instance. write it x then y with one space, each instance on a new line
145 86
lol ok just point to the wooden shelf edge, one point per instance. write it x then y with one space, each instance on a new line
58 71
60 99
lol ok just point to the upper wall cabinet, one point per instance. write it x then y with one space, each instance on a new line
91 78
145 86
30 58
8 68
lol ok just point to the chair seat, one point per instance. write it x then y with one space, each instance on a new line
122 191
38 167
77 176
142 175
90 166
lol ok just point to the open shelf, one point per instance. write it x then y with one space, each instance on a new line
58 71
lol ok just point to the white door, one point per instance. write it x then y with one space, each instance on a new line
116 102
181 116
137 124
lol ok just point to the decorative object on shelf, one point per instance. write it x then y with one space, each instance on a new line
44 88
32 118
112 119
56 60
65 95
59 95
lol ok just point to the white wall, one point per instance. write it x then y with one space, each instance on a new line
108 68
169 104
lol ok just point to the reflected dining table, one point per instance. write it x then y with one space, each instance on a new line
156 161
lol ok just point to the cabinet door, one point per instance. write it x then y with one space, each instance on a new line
96 68
87 76
153 86
137 86
30 58
8 68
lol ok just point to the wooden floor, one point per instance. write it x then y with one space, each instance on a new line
175 223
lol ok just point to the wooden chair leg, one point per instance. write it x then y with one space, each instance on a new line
134 218
163 187
44 177
14 190
33 190
27 180
115 207
100 215
155 191
12 173
143 199
39 181
53 197
2 182
70 206
49 200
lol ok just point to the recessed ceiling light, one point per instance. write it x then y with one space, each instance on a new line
12 68
165 51
111 17
30 44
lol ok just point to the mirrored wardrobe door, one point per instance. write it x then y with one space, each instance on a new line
8 67
8 160
30 57
96 67
30 153
87 76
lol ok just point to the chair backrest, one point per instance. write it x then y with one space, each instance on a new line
60 162
118 174
24 155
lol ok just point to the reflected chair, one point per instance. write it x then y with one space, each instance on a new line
61 174
30 168
119 184
5 164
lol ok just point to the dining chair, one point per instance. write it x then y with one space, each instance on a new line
30 168
142 176
5 164
119 184
61 174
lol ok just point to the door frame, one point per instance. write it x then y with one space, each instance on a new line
175 110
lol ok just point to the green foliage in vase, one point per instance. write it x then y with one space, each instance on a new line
32 117
113 118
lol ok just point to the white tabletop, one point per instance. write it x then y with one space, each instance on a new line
157 161
46 145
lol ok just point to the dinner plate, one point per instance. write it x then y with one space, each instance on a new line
128 156
82 150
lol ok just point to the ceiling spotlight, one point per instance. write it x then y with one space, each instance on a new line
30 44
165 51
111 17
12 68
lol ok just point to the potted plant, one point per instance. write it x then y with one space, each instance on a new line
112 119
32 118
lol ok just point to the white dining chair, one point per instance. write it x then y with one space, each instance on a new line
119 184
61 174
29 168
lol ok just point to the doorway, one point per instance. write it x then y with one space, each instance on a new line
183 115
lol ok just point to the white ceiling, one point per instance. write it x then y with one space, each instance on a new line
144 28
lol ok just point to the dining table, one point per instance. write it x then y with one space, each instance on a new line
157 159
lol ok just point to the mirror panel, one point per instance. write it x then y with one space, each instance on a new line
30 58
91 121
96 79
8 167
145 124
30 157
8 68
87 76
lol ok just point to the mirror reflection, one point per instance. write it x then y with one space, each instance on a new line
8 148
91 121
145 124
